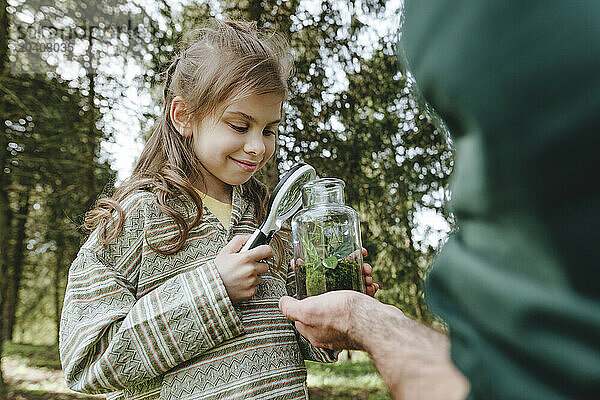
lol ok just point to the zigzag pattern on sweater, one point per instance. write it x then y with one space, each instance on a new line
162 326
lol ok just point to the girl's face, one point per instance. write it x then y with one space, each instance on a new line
233 146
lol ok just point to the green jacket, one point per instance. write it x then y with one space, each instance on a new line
518 83
143 325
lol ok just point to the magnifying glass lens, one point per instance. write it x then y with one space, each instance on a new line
285 201
294 194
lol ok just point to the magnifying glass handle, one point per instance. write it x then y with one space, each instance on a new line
255 240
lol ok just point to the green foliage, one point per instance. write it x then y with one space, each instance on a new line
50 176
314 276
335 270
345 276
50 160
342 250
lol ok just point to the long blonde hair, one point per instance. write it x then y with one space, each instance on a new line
216 65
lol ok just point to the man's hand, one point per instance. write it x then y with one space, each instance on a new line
327 320
413 359
240 272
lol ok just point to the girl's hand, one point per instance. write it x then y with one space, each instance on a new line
371 286
241 272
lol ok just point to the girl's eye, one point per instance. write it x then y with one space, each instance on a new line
238 128
268 132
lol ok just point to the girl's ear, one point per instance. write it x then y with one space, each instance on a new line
180 119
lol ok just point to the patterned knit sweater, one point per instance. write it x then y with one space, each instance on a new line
145 326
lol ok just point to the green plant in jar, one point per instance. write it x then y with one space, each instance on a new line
327 243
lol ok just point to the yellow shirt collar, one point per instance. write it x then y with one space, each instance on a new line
219 209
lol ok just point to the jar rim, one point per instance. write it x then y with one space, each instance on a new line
326 182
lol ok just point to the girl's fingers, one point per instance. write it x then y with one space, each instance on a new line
368 280
261 267
260 252
367 269
371 291
235 244
364 252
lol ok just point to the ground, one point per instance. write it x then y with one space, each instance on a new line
33 373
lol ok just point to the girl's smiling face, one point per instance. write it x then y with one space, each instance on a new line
233 146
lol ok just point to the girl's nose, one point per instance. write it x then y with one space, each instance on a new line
255 144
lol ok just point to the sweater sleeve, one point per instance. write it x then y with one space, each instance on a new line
111 340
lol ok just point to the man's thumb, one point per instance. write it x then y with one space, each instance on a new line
235 244
289 307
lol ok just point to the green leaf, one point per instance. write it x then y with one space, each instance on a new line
310 249
330 262
342 250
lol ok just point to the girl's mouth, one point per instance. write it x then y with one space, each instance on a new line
246 165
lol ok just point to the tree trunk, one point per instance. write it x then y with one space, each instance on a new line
4 206
17 266
90 179
5 222
58 268
90 183
3 36
419 300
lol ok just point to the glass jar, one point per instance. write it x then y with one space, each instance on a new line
327 243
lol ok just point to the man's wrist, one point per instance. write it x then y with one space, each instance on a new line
407 354
377 327
368 324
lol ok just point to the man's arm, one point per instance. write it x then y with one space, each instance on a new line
413 360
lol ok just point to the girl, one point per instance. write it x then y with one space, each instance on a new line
159 303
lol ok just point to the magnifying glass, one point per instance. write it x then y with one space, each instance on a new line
285 200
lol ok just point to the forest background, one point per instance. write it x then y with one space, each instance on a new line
77 80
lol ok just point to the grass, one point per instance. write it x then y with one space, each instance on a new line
34 355
347 379
35 375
